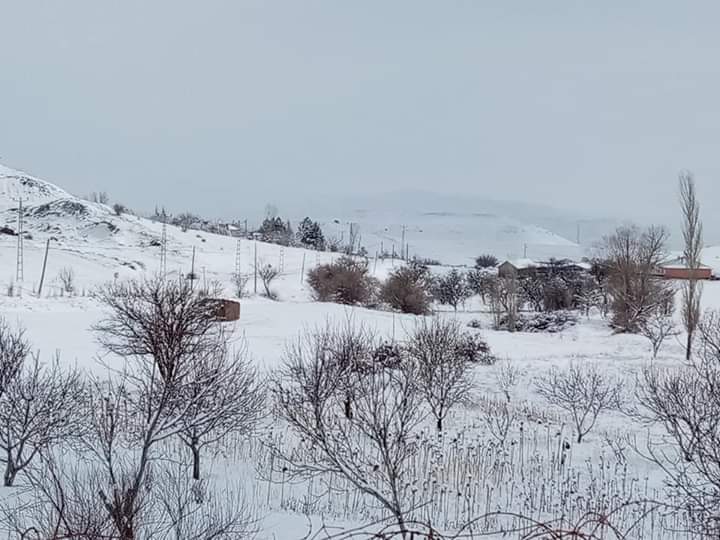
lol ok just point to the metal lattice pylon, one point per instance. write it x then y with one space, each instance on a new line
163 246
20 264
238 268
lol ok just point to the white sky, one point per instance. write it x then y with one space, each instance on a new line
217 105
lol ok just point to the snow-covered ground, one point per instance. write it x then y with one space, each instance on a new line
464 473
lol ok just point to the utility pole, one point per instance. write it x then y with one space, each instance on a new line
525 251
20 263
255 266
402 242
42 274
578 233
192 270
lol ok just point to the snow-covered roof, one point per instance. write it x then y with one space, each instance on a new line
521 264
524 263
679 263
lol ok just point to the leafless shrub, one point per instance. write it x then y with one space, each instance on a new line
499 417
657 327
190 510
345 281
507 377
267 274
583 392
240 282
119 209
371 449
443 374
66 276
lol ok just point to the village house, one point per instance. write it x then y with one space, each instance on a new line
679 269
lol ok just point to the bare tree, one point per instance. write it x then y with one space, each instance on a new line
443 374
267 274
41 406
343 351
692 253
632 261
163 320
163 329
657 327
452 289
14 350
583 392
686 402
66 276
371 449
481 282
505 302
233 406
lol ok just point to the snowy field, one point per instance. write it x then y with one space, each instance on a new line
537 471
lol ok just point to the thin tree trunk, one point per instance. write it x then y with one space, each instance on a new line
348 408
196 461
688 347
10 474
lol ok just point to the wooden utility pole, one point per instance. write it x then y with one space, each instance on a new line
44 266
255 266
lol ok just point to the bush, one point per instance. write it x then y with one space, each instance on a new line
474 349
345 281
387 356
486 261
551 322
407 289
119 209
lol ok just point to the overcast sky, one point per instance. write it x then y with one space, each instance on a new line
199 105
